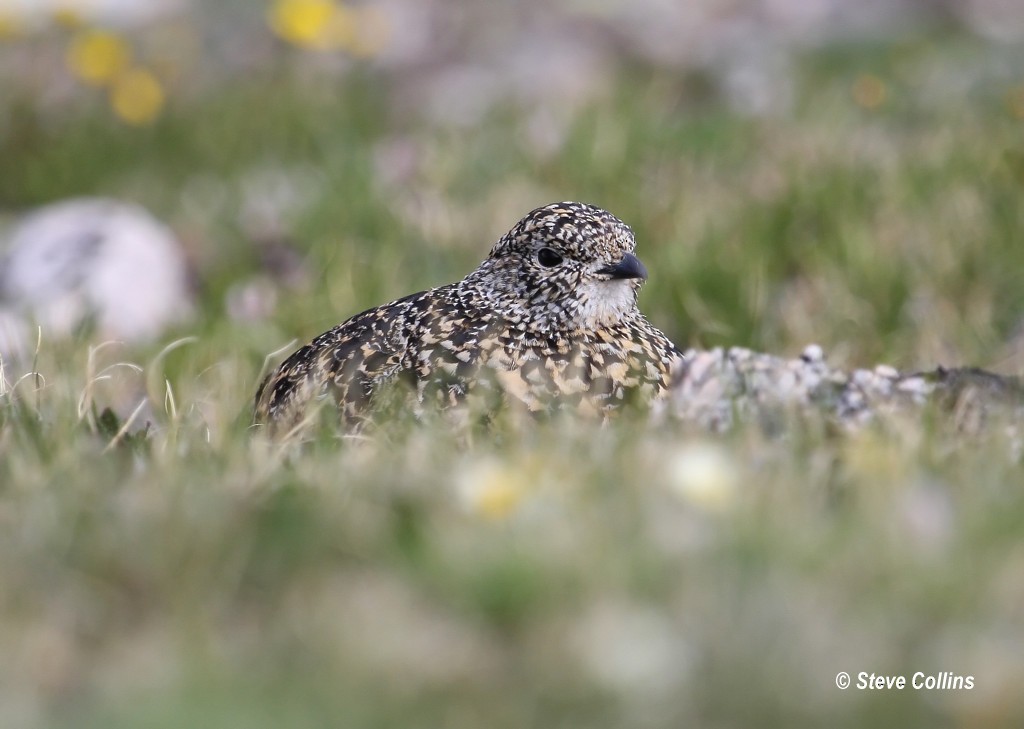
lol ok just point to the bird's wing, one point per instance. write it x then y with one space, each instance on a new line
346 363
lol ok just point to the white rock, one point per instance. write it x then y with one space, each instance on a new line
92 259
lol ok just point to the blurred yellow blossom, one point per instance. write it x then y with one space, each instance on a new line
1015 101
705 475
869 91
316 24
68 15
98 57
137 96
492 488
11 26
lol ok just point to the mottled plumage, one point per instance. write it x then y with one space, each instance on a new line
549 320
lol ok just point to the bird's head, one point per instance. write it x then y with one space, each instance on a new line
566 266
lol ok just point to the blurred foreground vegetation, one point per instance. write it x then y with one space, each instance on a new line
189 574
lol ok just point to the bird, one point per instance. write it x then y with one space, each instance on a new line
547 322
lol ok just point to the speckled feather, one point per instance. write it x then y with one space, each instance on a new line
549 335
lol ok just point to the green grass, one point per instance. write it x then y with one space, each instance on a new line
560 576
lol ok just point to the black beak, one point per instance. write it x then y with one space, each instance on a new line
628 267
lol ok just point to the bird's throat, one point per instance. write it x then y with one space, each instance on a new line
605 303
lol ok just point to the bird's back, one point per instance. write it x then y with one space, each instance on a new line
345 364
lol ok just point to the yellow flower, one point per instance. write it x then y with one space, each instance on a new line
308 23
1015 101
491 488
705 475
11 26
499 499
68 15
137 96
869 91
97 56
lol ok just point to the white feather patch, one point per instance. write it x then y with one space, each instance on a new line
604 303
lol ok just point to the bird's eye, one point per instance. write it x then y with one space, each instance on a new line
548 257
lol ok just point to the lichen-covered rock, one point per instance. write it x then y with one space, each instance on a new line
718 387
